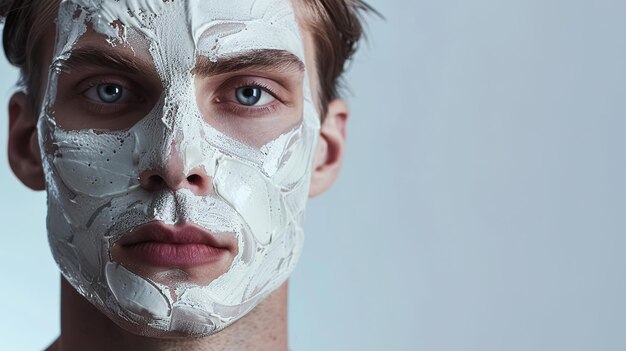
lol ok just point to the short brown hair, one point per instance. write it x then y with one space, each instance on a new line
335 26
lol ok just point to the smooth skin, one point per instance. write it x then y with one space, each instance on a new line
84 327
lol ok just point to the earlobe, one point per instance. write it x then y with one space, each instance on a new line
24 156
330 148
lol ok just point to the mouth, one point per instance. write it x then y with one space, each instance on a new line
182 246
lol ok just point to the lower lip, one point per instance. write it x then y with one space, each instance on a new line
170 255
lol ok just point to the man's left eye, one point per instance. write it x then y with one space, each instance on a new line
251 96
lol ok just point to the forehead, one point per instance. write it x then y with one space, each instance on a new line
211 28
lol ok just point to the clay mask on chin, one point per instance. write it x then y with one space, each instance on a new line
256 196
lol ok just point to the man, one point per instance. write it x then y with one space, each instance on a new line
178 142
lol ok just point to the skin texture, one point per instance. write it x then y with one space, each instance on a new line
84 327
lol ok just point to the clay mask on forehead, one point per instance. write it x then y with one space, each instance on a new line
253 204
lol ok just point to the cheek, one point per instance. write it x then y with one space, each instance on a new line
95 165
255 126
253 197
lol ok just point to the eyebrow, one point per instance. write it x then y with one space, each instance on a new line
96 57
270 60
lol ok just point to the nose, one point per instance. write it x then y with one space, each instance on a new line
174 178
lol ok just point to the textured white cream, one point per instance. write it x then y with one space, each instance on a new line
94 195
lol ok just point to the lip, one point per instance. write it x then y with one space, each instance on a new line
181 246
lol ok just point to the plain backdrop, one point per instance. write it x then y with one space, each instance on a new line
482 204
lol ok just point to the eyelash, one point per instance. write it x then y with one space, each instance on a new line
262 86
230 107
242 110
95 83
101 107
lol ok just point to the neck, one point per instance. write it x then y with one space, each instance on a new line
84 327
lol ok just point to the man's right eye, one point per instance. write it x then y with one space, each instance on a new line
107 93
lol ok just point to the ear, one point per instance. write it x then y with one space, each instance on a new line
330 147
24 156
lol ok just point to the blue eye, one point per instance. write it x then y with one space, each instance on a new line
109 93
248 96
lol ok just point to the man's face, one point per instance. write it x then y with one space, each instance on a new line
177 139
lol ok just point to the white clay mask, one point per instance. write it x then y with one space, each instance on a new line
179 220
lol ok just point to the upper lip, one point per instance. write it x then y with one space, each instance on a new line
180 234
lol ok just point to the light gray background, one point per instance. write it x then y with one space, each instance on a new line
482 204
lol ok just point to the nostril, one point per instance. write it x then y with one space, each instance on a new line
152 182
195 179
155 181
197 182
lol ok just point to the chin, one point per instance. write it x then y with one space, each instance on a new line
146 330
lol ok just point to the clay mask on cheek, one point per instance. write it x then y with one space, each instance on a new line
256 196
